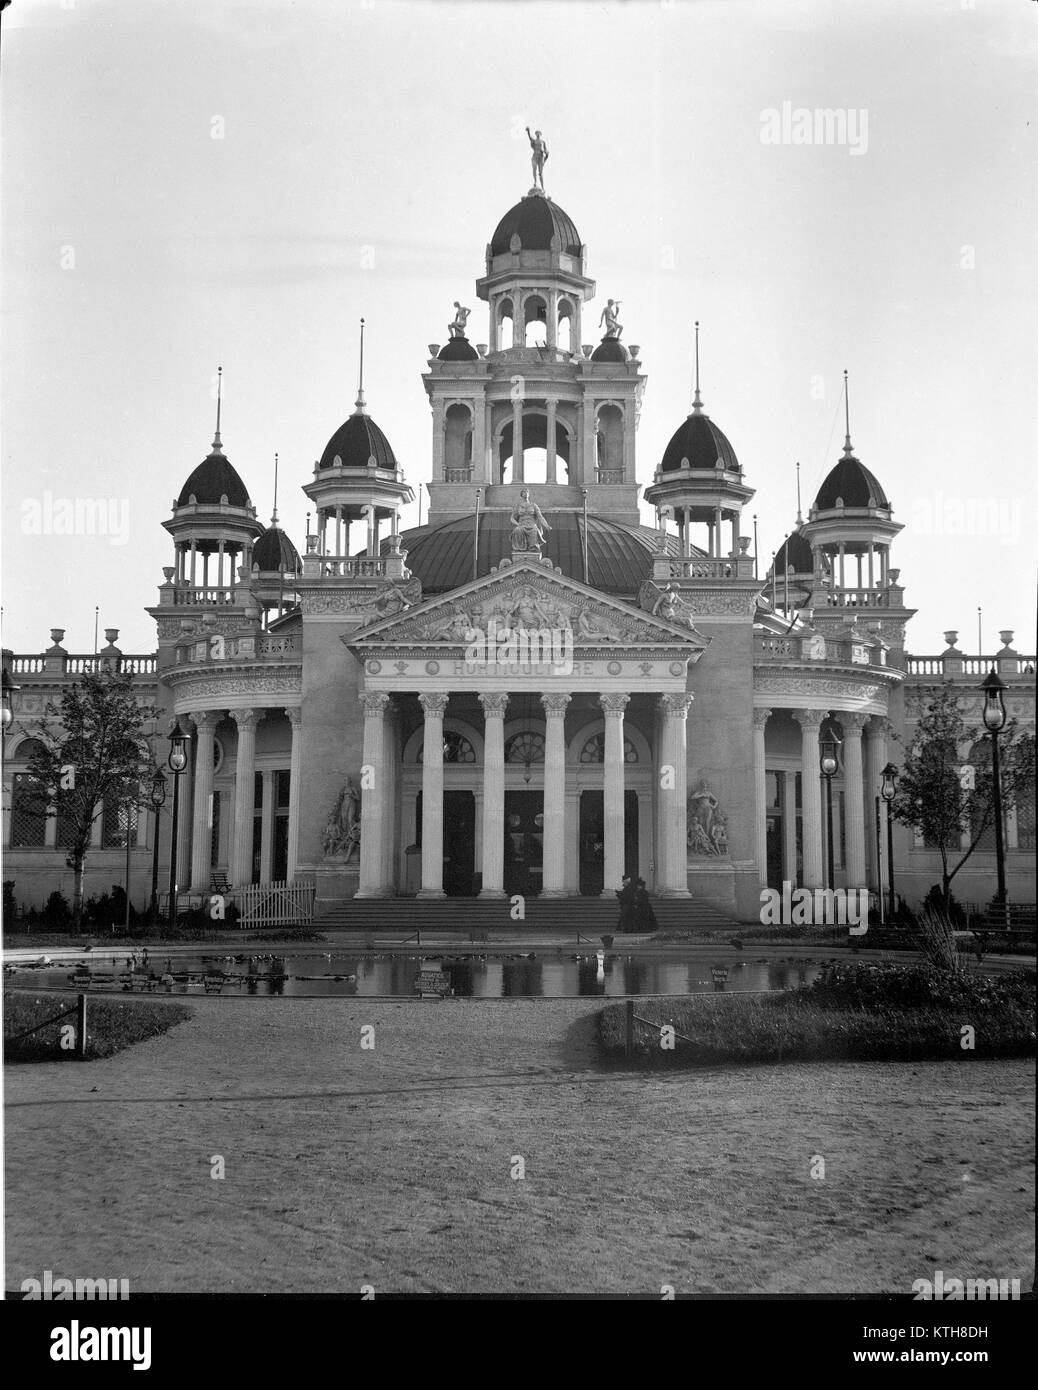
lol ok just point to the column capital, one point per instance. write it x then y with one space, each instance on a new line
852 724
810 718
294 715
374 702
676 706
614 702
551 401
879 725
206 719
494 705
434 705
555 705
246 718
761 717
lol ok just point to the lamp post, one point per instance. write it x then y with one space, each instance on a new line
829 762
995 721
888 790
9 688
158 797
177 763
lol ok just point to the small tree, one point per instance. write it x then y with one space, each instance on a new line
96 755
940 797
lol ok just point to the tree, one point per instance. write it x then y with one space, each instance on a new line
943 795
95 755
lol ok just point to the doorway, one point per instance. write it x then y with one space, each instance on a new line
524 842
592 841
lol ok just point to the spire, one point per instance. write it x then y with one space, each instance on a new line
274 515
360 376
800 515
217 446
697 404
848 451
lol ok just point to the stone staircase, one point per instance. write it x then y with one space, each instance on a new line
562 916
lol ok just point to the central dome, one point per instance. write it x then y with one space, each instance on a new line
619 555
354 442
535 221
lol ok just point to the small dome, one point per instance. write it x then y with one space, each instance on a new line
795 553
851 482
458 350
610 350
699 440
354 442
274 553
535 221
213 481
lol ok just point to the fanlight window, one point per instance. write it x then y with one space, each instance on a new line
456 749
594 750
525 748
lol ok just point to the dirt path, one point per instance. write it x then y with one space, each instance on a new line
393 1166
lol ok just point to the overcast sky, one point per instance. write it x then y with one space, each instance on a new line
368 150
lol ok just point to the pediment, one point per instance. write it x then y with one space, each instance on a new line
533 595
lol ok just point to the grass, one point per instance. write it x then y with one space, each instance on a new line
853 1012
112 1025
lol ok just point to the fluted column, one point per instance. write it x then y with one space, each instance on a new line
202 807
432 796
244 796
549 473
760 786
789 827
295 789
876 761
388 833
493 867
854 799
673 800
613 707
372 794
810 721
554 863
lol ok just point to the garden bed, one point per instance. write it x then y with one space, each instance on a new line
112 1025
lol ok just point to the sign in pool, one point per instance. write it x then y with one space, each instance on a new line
547 974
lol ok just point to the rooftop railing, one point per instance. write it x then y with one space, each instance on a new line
68 664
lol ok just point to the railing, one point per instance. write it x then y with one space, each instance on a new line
692 567
860 598
776 647
84 665
339 567
287 645
610 475
457 475
215 648
188 595
27 665
275 904
960 665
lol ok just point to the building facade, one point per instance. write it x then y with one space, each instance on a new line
534 692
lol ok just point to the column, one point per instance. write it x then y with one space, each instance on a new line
372 793
184 821
554 883
432 796
876 762
388 834
517 441
493 863
843 554
295 790
202 805
588 440
244 796
760 784
267 827
718 542
672 835
549 474
789 827
439 414
810 721
854 800
872 582
613 707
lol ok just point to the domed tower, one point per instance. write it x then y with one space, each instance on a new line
531 406
700 480
276 565
852 520
356 478
791 578
214 524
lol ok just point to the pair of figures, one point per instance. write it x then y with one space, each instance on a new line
342 832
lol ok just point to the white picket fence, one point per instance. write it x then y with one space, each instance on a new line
275 904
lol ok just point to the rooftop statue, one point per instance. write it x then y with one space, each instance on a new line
457 328
528 524
539 157
608 317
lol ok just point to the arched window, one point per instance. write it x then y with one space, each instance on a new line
28 813
535 321
456 749
594 750
457 444
610 439
527 747
505 325
1024 759
565 327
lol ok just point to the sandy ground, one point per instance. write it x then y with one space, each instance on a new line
393 1166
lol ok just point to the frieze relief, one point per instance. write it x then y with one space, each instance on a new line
796 685
287 681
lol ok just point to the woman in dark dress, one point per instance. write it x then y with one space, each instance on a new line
628 907
645 918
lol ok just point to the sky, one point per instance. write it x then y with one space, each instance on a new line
237 182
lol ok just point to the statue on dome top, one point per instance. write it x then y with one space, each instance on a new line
457 328
539 157
609 317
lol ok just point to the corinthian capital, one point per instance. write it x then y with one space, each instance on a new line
434 705
614 703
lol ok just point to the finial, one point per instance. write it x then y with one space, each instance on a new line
697 404
274 514
360 376
800 515
217 446
847 450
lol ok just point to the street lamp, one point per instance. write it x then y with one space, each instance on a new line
888 790
158 798
9 688
829 761
177 763
995 721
